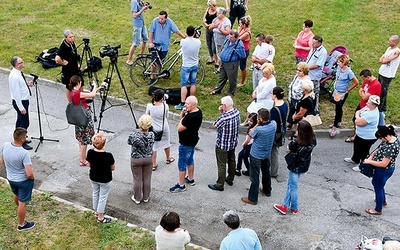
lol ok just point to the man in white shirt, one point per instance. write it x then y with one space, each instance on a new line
190 64
20 94
389 63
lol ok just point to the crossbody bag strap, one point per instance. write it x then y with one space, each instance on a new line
163 116
280 118
234 49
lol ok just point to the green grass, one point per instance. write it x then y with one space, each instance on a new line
362 26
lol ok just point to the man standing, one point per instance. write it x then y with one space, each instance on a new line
160 35
139 28
262 54
238 238
67 57
190 63
20 95
316 61
263 135
227 125
232 52
237 9
188 131
18 166
389 63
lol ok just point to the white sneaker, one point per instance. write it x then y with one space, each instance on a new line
357 169
349 160
146 200
133 198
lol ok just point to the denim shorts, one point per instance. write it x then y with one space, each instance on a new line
22 189
139 34
188 75
185 156
242 64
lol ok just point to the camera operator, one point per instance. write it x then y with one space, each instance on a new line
139 28
67 57
160 35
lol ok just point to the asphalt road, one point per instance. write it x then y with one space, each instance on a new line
332 197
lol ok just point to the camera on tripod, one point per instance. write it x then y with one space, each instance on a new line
111 51
86 41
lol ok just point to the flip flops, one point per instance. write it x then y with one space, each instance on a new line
104 220
170 160
372 211
349 139
155 167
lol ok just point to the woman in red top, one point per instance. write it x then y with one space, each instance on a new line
77 97
245 36
303 42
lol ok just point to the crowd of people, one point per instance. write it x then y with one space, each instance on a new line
268 116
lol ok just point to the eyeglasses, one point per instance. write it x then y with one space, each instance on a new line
21 62
299 70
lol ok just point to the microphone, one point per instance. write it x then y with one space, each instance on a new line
35 77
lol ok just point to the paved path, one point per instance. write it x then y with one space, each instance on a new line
332 197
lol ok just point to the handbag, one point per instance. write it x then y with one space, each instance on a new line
158 134
314 120
279 136
76 114
366 169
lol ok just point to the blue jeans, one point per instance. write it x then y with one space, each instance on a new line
185 156
100 195
291 197
243 156
381 175
255 166
188 75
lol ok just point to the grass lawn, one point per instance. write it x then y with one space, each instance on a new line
362 26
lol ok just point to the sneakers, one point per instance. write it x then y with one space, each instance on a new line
27 226
190 182
26 146
136 201
280 208
238 173
217 71
349 160
245 172
357 169
178 188
296 211
333 132
180 106
146 200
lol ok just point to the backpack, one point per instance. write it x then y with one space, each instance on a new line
48 58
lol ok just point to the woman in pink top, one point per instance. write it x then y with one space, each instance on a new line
245 36
303 42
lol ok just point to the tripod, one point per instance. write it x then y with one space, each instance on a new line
40 138
112 52
87 57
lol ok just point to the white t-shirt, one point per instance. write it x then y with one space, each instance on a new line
171 240
190 51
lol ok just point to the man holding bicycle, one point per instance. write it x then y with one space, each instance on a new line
190 62
160 35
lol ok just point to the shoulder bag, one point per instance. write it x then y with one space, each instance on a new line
76 114
279 136
158 134
367 169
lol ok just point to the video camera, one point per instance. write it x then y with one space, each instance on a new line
197 32
111 51
86 40
148 4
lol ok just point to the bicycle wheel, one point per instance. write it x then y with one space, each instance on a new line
141 70
200 73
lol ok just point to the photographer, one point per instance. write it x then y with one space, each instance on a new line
139 28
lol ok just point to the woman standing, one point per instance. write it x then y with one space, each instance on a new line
169 234
244 154
278 114
221 26
159 111
141 159
209 16
82 134
384 160
342 87
302 148
366 122
303 42
245 36
295 90
101 165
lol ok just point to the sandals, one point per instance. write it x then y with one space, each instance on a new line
155 167
372 211
104 220
214 92
349 139
210 62
83 163
170 160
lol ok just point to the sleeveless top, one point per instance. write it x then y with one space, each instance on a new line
302 41
246 43
210 17
389 69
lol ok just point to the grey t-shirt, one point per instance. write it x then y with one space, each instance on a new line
15 159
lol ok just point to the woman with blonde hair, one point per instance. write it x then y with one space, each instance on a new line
101 165
245 36
141 159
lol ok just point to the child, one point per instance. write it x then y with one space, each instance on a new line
245 152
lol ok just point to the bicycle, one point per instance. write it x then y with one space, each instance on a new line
145 65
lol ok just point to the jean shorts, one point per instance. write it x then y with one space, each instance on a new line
188 75
139 34
22 189
185 156
242 63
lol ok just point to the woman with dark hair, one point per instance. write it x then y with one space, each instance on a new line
78 97
303 42
169 234
301 147
159 110
278 114
245 36
384 160
244 154
101 165
209 16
